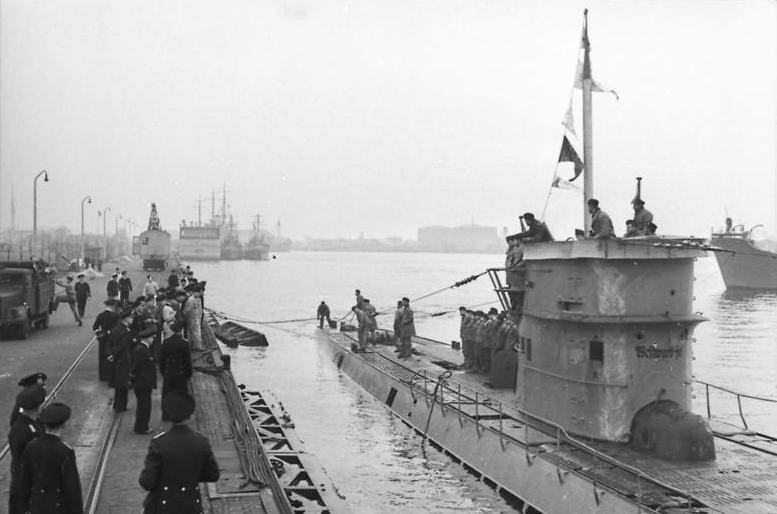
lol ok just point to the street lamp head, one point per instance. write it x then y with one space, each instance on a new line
89 198
45 176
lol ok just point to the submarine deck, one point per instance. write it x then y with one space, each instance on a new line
742 479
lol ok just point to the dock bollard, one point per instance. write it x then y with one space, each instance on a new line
455 345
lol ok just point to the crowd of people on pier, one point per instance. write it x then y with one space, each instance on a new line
157 334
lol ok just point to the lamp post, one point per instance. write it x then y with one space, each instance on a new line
116 233
83 244
35 203
104 214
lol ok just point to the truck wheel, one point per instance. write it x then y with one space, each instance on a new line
24 330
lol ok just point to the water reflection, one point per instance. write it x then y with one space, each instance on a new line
375 460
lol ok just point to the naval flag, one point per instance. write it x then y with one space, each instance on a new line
568 154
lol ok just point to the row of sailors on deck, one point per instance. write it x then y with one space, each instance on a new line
488 343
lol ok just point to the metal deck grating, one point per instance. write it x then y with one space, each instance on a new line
742 481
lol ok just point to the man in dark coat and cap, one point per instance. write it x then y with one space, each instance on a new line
24 429
49 482
27 382
103 324
143 378
120 347
175 362
176 462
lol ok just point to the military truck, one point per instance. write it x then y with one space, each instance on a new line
26 297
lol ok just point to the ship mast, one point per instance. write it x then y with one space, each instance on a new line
588 156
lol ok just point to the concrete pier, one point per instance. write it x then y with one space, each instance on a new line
53 350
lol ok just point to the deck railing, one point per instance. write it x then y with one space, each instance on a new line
736 394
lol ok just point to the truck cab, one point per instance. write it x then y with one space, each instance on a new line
26 295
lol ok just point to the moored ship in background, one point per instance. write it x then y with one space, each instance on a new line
199 242
231 248
744 263
256 249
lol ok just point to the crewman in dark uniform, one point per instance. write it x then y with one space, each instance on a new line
102 326
175 363
26 383
119 353
112 289
323 312
172 281
536 232
143 378
125 287
49 482
83 292
24 429
176 462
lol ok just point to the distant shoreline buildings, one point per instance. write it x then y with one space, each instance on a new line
430 239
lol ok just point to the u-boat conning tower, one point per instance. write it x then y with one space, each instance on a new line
606 342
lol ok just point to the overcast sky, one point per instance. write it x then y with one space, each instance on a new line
378 116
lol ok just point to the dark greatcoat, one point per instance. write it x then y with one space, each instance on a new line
49 482
175 362
143 368
23 430
113 288
104 322
119 346
176 462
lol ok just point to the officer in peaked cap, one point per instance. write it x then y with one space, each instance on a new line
120 346
35 378
143 377
103 324
26 382
49 480
24 429
177 461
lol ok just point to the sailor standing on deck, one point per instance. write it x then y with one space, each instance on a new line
321 313
364 327
406 329
24 429
359 299
371 313
143 378
601 224
176 462
49 481
397 321
83 292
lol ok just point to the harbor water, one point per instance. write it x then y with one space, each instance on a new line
376 462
